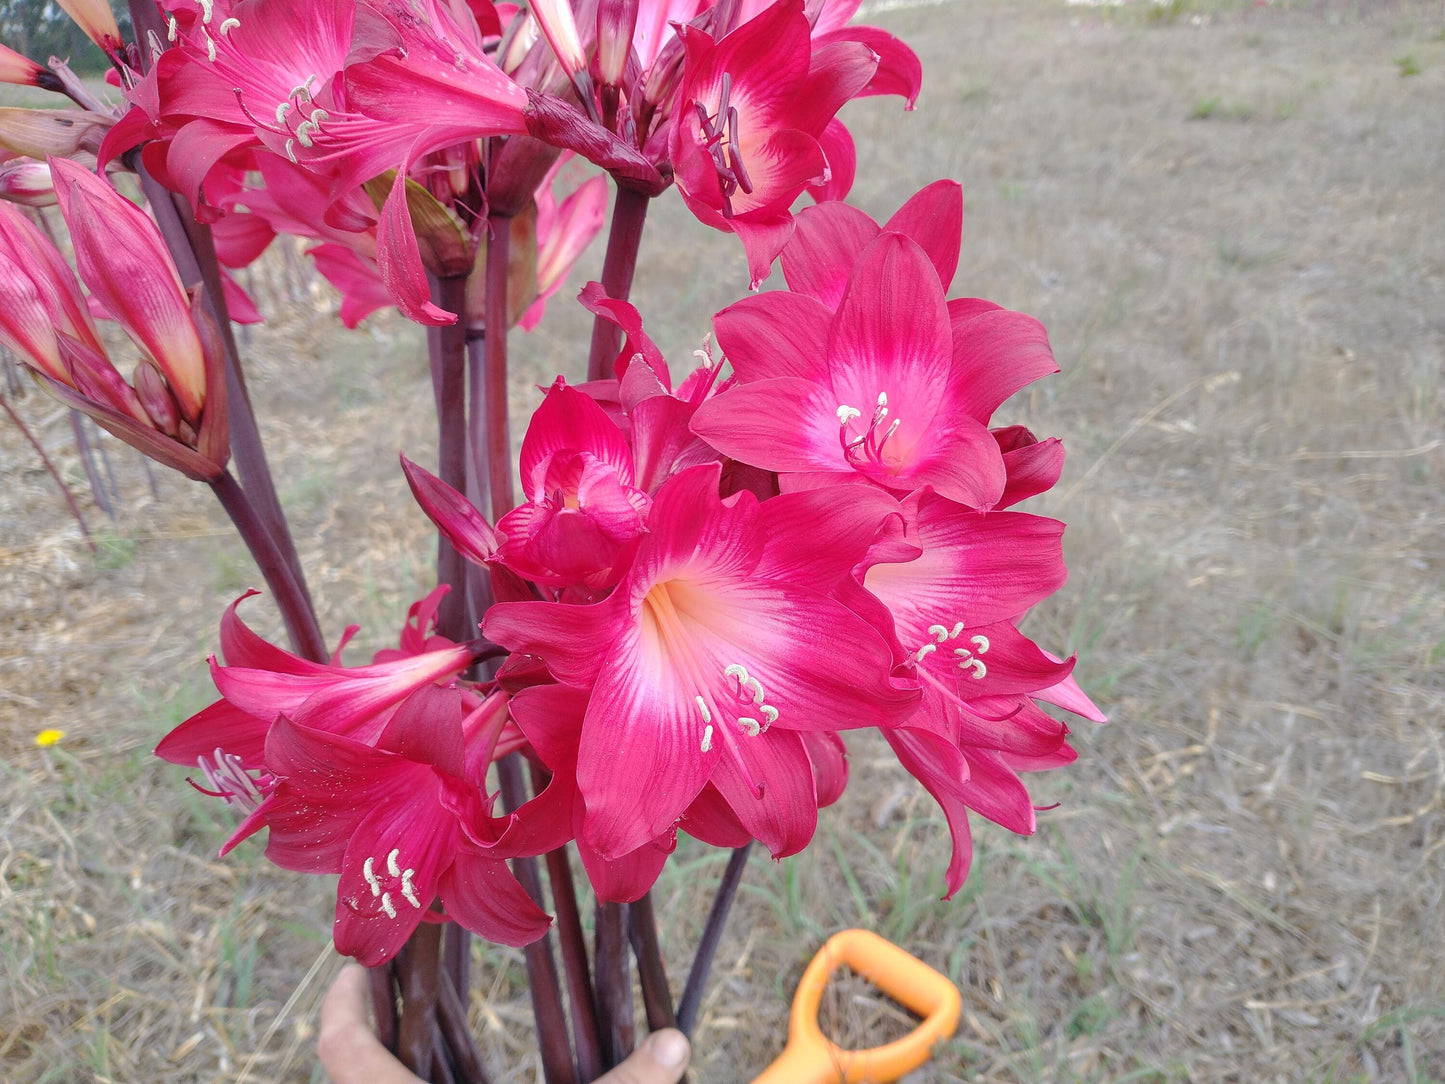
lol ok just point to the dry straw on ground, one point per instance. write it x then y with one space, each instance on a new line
1229 215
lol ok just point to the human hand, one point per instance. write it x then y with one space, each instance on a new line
351 1053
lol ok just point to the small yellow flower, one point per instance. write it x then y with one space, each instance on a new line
48 737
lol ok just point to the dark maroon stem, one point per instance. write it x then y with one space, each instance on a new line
651 973
420 977
50 467
574 958
461 1046
382 980
613 980
629 215
290 598
551 1020
457 957
87 460
479 580
498 435
448 346
687 1008
194 253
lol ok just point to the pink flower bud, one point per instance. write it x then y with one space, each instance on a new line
27 183
155 397
96 19
19 69
122 258
39 296
616 21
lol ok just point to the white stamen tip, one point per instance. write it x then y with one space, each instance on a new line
980 642
770 715
702 707
925 650
757 687
938 632
228 26
387 905
956 630
303 132
892 428
172 31
883 398
391 866
370 875
751 727
707 739
281 111
206 6
846 414
291 150
980 671
210 47
407 890
963 652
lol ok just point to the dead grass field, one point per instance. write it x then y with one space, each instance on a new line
1232 219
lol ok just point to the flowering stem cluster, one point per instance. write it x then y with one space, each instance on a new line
693 586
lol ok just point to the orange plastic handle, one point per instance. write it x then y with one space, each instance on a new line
811 1058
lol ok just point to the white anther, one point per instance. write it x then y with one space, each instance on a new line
883 398
210 47
206 6
702 707
925 650
981 642
387 905
770 715
317 116
892 428
228 25
304 90
171 29
407 889
963 653
155 45
391 866
707 739
751 727
938 632
956 630
757 687
303 132
291 150
846 414
281 111
980 671
370 875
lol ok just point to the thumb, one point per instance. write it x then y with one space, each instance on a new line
662 1059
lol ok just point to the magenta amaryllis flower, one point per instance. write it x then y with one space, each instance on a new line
404 821
953 610
747 121
583 511
717 647
897 386
260 682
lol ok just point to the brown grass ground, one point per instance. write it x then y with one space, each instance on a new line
1230 217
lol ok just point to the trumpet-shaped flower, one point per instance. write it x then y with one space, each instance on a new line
704 665
893 387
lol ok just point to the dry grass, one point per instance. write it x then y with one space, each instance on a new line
1229 216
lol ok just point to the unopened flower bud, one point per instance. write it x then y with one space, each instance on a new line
27 183
46 133
97 20
616 21
160 405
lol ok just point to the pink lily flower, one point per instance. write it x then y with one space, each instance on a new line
897 386
748 117
260 682
403 822
706 662
583 511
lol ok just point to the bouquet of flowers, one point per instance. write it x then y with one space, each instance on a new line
713 569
